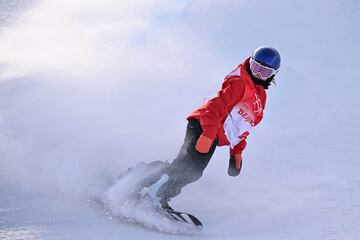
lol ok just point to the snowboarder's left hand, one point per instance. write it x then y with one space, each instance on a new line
235 164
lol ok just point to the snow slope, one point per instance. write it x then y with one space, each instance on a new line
89 89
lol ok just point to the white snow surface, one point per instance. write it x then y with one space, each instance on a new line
91 88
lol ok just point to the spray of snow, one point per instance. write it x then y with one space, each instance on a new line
124 200
71 85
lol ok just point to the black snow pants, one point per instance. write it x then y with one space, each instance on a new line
189 164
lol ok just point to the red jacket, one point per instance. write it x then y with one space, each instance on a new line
232 113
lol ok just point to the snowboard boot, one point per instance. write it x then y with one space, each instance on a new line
165 204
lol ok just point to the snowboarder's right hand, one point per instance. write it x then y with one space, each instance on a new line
203 144
235 164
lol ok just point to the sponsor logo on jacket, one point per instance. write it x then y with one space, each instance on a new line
249 114
247 117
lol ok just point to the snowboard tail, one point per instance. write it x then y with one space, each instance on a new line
184 217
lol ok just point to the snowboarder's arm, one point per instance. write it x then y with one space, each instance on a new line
218 107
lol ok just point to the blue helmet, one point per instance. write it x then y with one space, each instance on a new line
267 56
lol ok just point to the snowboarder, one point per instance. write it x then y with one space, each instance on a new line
226 119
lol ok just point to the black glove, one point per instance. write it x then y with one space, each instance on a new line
232 170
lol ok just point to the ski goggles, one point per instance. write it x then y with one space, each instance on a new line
265 72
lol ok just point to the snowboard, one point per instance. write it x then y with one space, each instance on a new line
184 217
